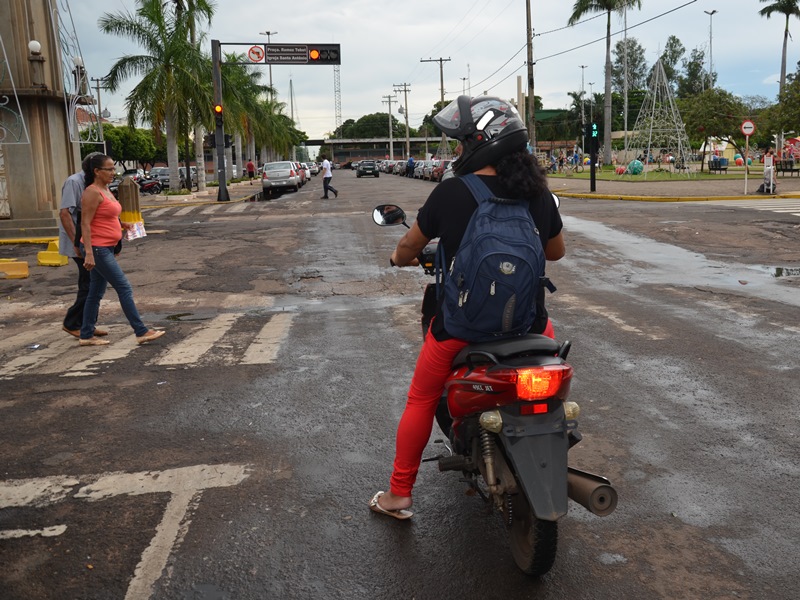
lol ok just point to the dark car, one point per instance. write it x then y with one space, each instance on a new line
368 167
161 174
439 169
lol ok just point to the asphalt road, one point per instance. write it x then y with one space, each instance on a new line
234 457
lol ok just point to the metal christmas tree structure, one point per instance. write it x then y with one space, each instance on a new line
659 128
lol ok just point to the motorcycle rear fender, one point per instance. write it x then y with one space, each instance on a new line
537 448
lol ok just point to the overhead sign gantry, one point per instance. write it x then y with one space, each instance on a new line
264 54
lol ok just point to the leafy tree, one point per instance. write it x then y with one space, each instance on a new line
788 8
637 66
581 9
171 67
713 113
692 81
670 59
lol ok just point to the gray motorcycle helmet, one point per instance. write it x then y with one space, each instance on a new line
488 128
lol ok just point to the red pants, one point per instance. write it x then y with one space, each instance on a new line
434 365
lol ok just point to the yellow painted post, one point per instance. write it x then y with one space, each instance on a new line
129 198
51 257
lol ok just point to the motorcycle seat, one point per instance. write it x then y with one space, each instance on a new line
528 345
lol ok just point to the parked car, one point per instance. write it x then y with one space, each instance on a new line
137 174
307 170
438 170
301 172
160 173
276 176
427 169
399 167
418 166
354 165
314 168
368 167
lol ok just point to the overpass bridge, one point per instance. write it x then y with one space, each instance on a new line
344 149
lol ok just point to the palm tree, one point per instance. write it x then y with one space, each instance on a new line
194 11
579 10
789 8
172 71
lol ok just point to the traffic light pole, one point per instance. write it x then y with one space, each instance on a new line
219 132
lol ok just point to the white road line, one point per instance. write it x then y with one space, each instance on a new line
89 366
184 211
53 531
211 209
200 342
159 212
38 356
264 348
185 486
237 208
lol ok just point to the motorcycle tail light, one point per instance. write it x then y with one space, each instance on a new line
538 383
535 408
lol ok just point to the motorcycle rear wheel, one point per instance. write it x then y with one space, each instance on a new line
534 542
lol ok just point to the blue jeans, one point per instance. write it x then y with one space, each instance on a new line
107 270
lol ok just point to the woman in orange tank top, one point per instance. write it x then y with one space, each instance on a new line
102 230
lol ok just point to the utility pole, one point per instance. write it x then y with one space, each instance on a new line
583 115
100 113
404 87
463 85
444 148
531 98
388 101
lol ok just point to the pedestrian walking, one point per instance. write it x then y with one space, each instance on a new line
326 179
69 245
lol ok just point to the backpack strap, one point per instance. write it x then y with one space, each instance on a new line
480 191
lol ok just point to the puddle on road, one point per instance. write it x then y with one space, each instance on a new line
187 316
677 266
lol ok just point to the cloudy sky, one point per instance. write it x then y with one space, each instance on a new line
383 44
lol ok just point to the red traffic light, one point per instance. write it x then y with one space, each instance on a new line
314 54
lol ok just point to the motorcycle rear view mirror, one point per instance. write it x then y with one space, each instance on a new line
556 199
389 214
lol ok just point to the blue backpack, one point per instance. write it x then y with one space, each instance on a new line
492 285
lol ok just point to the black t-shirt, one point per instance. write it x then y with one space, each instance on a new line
446 214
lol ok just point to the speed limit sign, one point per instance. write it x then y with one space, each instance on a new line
748 128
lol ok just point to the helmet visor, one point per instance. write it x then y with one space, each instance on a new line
450 120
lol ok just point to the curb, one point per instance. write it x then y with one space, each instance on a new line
625 198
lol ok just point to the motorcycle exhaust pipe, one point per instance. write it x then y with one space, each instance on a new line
592 492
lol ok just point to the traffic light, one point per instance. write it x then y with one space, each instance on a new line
324 54
218 114
228 140
210 141
594 130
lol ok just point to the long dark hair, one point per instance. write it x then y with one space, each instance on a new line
521 176
95 162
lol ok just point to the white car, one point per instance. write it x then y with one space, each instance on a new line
314 168
307 169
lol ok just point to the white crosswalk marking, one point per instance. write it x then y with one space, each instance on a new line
237 208
200 342
264 348
90 365
184 211
34 354
211 209
780 205
158 212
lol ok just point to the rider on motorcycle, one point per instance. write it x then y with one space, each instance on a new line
494 147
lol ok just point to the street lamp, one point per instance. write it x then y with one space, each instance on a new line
591 102
711 14
269 35
37 64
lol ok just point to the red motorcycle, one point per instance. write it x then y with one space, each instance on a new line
510 426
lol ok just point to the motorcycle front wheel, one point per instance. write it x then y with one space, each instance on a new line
534 542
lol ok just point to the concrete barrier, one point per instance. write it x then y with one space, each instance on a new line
11 268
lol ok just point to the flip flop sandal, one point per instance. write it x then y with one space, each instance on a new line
401 514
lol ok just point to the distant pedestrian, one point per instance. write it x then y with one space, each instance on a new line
69 245
326 179
251 170
410 167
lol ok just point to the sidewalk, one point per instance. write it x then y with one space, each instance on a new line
678 189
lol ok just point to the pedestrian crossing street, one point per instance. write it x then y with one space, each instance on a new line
227 339
789 206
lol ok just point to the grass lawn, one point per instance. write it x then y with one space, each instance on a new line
608 174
